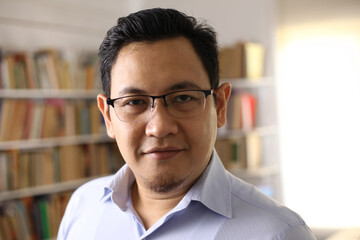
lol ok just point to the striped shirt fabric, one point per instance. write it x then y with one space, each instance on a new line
218 206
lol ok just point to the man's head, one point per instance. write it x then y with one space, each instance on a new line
156 24
166 142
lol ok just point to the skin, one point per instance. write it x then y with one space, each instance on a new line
166 154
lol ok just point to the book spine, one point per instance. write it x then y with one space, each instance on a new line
22 169
46 69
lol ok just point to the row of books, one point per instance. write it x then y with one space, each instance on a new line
48 69
33 119
242 60
241 152
242 111
20 170
33 218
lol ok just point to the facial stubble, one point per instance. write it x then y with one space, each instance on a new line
164 183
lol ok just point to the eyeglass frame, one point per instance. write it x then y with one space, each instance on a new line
110 101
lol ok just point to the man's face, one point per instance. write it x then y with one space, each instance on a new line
164 152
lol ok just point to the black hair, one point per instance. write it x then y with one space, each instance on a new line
157 24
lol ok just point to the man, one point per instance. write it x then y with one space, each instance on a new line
163 105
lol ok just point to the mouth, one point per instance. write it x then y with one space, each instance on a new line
163 153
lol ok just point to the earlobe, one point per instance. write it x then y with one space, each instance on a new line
104 109
223 94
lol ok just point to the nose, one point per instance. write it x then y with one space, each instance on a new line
161 123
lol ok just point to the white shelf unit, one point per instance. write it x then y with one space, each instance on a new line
264 89
53 142
249 83
256 173
261 131
44 143
47 93
43 189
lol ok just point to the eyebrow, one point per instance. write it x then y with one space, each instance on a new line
131 90
178 86
183 85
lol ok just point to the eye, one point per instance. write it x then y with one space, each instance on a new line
183 98
133 101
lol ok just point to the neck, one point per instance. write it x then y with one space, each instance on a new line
151 206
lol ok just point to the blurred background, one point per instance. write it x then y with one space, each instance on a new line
312 54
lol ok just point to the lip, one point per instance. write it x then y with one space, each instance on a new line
162 153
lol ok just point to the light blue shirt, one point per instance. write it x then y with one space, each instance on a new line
218 206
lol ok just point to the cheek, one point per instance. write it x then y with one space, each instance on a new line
128 139
202 133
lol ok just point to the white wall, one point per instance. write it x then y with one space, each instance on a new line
319 109
82 24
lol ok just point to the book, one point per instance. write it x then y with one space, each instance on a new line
240 152
1 71
72 163
242 111
33 217
253 151
47 62
232 152
70 119
244 59
22 221
53 118
236 112
95 118
3 172
43 208
254 60
223 149
33 119
21 170
29 118
24 166
231 61
248 111
5 122
18 120
38 119
9 80
6 230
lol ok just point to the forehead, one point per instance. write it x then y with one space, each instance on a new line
158 66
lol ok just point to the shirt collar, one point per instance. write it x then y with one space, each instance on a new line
213 188
119 187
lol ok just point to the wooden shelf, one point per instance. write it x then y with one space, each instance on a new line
48 93
43 190
53 142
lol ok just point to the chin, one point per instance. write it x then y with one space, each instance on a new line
164 183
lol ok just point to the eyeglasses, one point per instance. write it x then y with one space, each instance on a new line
181 104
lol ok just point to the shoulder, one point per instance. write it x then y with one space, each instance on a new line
94 187
89 193
256 212
83 207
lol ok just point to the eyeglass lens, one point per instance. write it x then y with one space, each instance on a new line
180 104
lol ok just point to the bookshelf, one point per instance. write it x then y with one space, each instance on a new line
256 164
247 144
52 140
43 190
24 30
47 93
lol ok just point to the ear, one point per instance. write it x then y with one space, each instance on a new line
104 109
223 94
